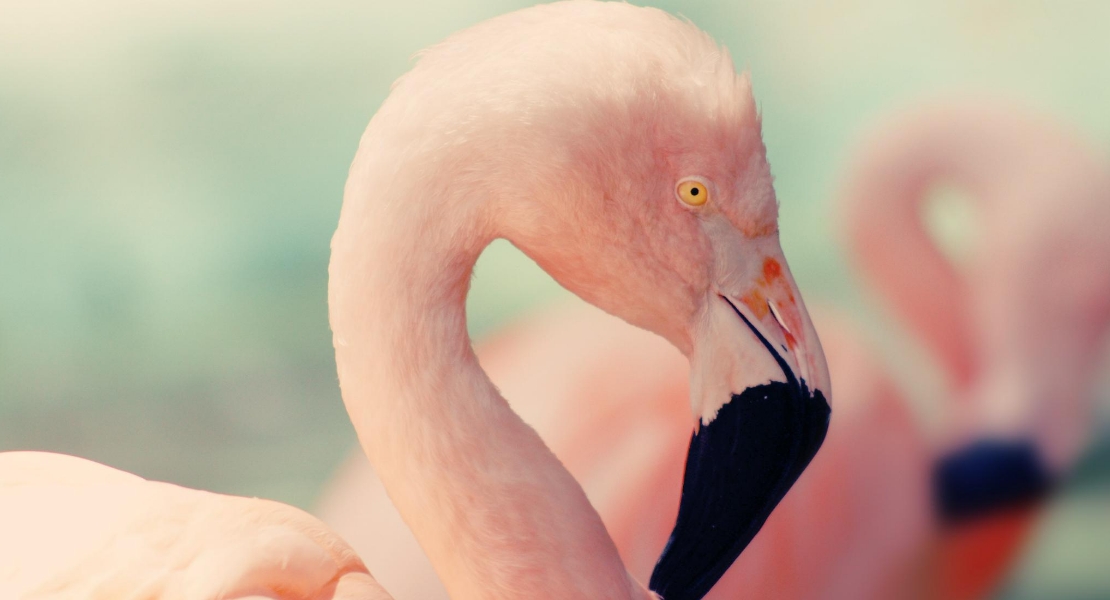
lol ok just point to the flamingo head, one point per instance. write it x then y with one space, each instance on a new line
618 147
665 215
632 169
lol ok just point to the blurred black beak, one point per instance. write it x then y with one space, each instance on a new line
988 476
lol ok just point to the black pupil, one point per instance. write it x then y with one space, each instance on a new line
694 191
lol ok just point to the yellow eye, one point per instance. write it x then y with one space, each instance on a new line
692 192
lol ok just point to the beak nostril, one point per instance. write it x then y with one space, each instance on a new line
778 317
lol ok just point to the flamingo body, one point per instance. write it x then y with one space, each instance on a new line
77 529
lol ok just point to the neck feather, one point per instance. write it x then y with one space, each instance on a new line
496 512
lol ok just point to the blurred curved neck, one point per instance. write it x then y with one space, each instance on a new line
884 199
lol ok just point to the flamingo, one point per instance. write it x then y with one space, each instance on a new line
73 528
1018 332
866 520
618 147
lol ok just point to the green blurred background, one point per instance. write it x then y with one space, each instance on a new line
171 173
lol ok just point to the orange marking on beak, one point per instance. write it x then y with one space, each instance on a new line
772 270
787 334
757 302
791 341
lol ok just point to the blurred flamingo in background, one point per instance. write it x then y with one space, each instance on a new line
1018 332
890 507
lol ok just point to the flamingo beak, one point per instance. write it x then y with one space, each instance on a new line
988 476
987 495
761 386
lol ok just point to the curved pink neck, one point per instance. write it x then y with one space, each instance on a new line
883 202
494 509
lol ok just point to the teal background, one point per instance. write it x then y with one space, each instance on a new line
171 173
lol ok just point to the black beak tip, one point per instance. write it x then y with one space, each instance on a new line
989 475
738 469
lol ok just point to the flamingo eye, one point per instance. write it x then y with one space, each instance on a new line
692 192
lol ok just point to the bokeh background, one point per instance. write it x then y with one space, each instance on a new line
171 173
